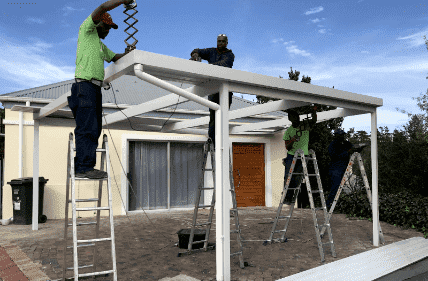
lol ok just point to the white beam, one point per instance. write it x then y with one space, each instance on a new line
239 113
375 197
321 116
21 138
53 106
138 68
36 147
222 186
313 94
149 106
202 89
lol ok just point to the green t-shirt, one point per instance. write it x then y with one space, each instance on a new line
91 52
301 144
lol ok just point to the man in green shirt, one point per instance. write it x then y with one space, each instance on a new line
292 143
86 101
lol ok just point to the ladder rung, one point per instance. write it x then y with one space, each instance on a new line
329 242
237 253
83 223
316 191
82 266
84 200
95 273
322 225
205 223
276 231
92 208
197 242
94 240
88 179
83 245
304 174
204 206
98 149
203 188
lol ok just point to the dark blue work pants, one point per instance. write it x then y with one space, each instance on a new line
295 179
86 104
336 175
215 98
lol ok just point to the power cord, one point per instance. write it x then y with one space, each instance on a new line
128 181
111 86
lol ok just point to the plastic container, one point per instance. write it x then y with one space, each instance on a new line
184 236
22 197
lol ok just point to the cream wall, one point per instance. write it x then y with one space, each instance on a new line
54 135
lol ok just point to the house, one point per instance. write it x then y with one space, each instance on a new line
164 168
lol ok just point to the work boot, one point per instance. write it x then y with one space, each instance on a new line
93 174
287 202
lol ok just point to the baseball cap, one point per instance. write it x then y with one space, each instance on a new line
106 18
339 132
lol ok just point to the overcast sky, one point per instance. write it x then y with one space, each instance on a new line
374 48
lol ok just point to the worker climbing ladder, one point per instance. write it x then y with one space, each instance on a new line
89 242
299 154
345 178
208 147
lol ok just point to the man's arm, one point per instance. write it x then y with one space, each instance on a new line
289 143
105 7
314 118
227 61
117 57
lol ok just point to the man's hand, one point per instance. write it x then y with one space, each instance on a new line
129 49
195 56
129 4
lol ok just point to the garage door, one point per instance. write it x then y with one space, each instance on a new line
249 159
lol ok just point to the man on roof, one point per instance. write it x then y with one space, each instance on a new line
218 56
86 101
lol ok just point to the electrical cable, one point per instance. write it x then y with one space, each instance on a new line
111 86
123 204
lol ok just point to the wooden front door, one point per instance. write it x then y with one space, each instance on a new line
249 159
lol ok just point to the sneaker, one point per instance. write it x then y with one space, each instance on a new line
93 174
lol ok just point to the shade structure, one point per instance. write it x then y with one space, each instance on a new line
209 79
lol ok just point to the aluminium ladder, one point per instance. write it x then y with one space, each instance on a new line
299 154
89 242
208 147
346 177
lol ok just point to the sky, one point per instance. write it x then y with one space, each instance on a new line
374 48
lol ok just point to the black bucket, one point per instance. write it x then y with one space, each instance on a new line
184 236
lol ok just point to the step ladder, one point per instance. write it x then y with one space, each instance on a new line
346 178
89 242
209 147
299 154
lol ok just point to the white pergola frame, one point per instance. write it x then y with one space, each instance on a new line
209 79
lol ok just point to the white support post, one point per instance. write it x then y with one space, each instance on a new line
222 186
21 137
36 175
375 196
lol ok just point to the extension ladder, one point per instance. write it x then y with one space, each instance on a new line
346 177
89 242
300 155
208 147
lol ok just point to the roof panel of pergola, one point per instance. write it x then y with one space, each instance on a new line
207 79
